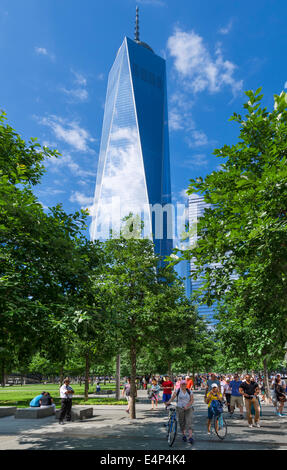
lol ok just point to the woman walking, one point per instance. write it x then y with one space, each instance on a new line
184 410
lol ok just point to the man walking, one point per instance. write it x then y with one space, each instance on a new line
66 394
236 397
210 382
250 390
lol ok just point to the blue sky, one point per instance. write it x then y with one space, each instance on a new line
55 56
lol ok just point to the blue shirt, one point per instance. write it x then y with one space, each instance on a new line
36 400
234 385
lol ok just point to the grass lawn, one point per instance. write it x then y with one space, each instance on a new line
21 396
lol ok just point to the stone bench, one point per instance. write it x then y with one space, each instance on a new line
7 410
103 392
34 412
78 413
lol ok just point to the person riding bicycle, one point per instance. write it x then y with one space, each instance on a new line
214 401
184 409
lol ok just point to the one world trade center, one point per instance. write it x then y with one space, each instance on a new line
134 170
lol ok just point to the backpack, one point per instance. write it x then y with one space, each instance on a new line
217 407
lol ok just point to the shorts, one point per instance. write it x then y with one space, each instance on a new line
210 412
166 397
236 401
184 418
155 397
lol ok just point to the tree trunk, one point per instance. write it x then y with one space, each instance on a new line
3 374
133 390
87 372
266 381
61 374
169 368
193 376
118 377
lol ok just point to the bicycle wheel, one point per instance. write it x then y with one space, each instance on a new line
172 429
220 426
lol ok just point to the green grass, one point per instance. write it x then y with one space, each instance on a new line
21 396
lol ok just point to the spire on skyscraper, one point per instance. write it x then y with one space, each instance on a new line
137 31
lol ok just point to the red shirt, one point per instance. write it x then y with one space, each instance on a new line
189 383
167 387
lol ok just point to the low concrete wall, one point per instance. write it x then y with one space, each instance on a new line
7 410
78 413
33 413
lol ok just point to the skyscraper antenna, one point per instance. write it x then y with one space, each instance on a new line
137 28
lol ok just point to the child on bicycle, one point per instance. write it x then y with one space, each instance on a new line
212 399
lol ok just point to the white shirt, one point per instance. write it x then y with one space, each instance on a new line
226 388
63 389
183 398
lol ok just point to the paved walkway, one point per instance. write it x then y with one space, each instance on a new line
112 429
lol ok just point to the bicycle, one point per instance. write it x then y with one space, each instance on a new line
172 426
220 425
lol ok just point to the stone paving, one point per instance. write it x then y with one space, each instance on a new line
112 429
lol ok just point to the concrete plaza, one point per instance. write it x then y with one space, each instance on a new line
112 429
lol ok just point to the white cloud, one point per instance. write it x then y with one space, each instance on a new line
62 161
81 199
175 120
198 159
196 67
226 29
285 85
68 131
183 194
77 94
79 78
44 51
198 139
180 116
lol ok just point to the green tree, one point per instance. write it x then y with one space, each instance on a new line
242 244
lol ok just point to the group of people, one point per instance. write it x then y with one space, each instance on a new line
236 391
45 400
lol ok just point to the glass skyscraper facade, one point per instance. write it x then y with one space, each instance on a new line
134 171
196 207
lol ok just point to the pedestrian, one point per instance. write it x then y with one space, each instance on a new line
47 402
250 390
189 382
280 391
274 395
227 394
66 394
209 384
167 386
154 393
127 392
184 410
236 397
213 399
177 384
35 402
